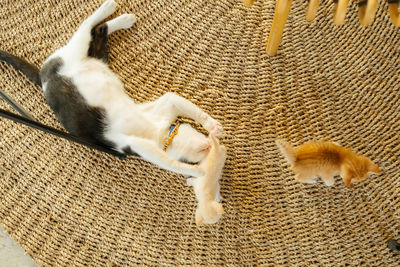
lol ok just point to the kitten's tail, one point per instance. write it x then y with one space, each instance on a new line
287 150
28 69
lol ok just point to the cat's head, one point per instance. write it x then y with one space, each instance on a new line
190 145
358 170
208 212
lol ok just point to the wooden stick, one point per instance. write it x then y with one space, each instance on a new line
367 11
340 12
394 13
282 9
312 9
248 3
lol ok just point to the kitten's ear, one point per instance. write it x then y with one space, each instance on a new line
218 208
373 167
347 176
205 146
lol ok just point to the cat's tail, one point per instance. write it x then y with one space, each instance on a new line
28 69
287 150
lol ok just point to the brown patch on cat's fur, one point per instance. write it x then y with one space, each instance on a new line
326 159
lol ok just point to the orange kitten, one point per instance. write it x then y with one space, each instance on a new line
209 209
326 159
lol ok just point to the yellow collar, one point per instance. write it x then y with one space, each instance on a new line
172 132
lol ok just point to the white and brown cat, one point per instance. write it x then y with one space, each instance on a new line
90 102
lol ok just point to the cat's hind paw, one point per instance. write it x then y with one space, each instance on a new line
125 21
108 7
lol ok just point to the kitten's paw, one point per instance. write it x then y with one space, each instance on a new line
217 130
329 182
126 21
108 7
310 182
213 126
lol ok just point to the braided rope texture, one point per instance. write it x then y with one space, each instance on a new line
68 205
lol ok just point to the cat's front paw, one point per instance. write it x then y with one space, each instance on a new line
126 21
213 126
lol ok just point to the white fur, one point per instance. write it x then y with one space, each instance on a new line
124 21
142 127
207 187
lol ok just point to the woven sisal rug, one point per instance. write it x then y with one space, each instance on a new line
68 205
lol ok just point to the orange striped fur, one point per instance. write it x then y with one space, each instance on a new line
325 160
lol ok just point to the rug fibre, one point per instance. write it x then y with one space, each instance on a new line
68 205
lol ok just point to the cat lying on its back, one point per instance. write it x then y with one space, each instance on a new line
89 100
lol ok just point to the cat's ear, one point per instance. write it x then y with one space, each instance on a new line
205 146
218 208
373 167
347 176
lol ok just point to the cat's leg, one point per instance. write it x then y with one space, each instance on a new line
149 151
105 10
182 107
124 21
328 179
98 45
305 178
78 46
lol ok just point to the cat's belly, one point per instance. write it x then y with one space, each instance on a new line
96 83
130 121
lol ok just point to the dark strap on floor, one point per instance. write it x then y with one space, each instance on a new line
15 105
53 131
28 120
